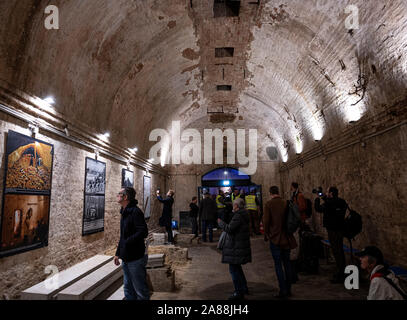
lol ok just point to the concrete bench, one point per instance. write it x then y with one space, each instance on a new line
118 295
93 284
64 279
155 260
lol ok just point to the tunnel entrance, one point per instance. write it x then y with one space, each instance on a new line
228 179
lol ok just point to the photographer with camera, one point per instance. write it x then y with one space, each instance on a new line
334 211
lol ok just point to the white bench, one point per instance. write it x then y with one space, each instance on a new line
63 279
118 295
93 284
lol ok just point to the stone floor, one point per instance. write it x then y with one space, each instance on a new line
204 277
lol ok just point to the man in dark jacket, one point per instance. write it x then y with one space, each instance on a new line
166 217
208 214
236 250
334 210
131 248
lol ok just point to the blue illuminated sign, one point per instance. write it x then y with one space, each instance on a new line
226 182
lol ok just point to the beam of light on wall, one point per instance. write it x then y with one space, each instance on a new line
284 156
50 100
317 129
133 150
164 159
46 104
353 113
298 145
283 153
104 137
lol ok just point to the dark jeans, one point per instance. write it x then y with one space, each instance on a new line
238 278
169 231
135 279
207 224
254 222
282 258
336 240
194 224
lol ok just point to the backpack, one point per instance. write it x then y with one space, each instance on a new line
390 282
352 225
293 218
308 211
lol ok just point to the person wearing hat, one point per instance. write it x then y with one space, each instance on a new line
383 283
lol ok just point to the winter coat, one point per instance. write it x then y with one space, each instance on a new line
194 210
274 219
208 209
166 217
380 289
236 249
334 210
133 231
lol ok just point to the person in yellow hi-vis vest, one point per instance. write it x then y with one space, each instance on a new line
220 204
252 205
235 195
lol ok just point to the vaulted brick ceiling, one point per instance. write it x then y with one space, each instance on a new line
131 66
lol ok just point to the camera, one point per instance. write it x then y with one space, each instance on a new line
318 191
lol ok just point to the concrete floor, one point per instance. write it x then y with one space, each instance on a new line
204 277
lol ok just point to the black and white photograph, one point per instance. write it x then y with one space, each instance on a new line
147 196
94 198
93 214
95 176
127 178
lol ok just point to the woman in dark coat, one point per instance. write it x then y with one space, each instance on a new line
236 250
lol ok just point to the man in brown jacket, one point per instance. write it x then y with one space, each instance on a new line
280 242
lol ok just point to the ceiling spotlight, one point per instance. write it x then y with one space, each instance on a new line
134 150
225 172
107 135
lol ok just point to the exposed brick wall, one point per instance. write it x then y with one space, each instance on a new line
66 245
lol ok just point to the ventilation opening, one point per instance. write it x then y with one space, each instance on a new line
224 52
226 8
224 88
272 153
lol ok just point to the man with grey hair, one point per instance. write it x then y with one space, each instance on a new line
131 248
236 249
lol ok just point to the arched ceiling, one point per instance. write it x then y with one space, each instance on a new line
128 67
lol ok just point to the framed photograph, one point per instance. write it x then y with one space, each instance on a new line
94 197
25 223
127 178
28 165
94 214
95 177
147 196
27 184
